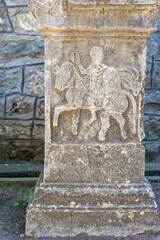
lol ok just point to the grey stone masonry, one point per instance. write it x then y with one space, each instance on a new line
21 74
152 97
21 83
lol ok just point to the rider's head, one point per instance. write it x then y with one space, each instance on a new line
96 54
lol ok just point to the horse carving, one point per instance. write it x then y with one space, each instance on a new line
104 88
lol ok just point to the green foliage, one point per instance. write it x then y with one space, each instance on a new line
27 196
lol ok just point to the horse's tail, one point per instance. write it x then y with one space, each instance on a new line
134 112
129 78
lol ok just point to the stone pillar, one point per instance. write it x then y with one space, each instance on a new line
95 61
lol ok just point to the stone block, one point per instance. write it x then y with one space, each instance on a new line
23 20
156 75
15 129
34 80
4 22
16 50
152 96
158 21
148 75
152 46
11 3
23 149
152 102
20 107
40 108
15 139
38 130
3 152
152 127
2 107
152 150
69 210
157 53
11 80
94 163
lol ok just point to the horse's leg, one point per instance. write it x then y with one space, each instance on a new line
121 121
134 114
93 117
91 107
57 111
75 120
105 124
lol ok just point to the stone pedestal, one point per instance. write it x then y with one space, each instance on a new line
95 61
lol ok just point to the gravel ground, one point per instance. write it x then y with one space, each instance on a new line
12 220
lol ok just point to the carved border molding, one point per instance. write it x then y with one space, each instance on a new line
56 6
115 2
63 34
52 14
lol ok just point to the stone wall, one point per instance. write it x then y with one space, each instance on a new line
152 97
21 83
22 87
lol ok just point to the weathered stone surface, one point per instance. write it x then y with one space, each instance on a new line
18 49
34 80
16 141
20 107
157 53
40 108
38 130
93 181
23 20
148 75
16 2
93 120
152 46
95 163
15 129
4 156
152 150
152 112
28 49
23 149
19 8
113 206
158 21
152 127
4 22
152 102
2 103
156 74
11 81
152 96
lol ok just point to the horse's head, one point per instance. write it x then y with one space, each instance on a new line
64 76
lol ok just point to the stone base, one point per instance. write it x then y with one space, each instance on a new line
92 163
116 210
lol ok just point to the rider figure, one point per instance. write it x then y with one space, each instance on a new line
93 76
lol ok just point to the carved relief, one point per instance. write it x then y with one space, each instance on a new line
98 87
